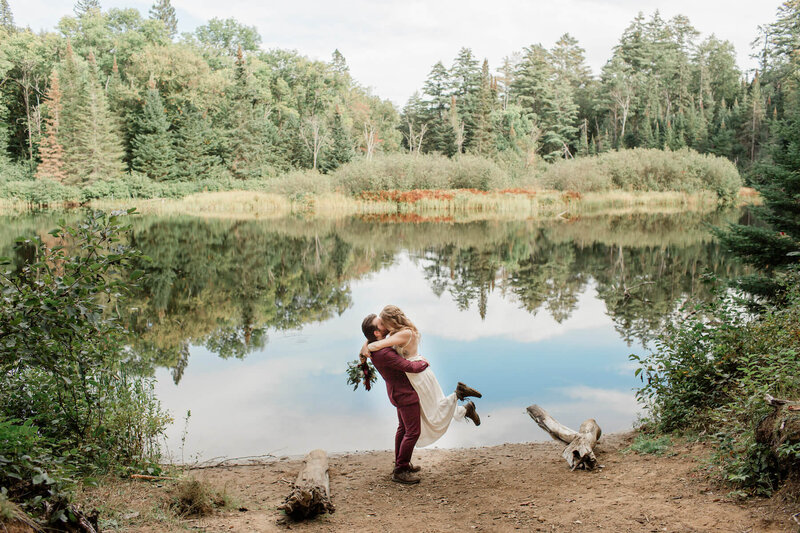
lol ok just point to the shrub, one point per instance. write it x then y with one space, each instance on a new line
67 394
38 193
297 183
711 371
408 172
642 169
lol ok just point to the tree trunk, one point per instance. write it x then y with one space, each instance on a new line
311 493
579 452
781 428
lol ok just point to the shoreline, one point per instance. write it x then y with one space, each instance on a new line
521 486
458 205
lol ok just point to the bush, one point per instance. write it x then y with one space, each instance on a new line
38 192
406 172
10 171
66 392
642 169
710 373
299 182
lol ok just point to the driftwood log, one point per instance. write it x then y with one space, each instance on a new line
579 452
311 492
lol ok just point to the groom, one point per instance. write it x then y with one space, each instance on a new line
393 367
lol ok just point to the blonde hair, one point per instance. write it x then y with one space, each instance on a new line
395 319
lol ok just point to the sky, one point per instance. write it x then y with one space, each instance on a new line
391 45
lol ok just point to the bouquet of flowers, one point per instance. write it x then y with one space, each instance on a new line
358 372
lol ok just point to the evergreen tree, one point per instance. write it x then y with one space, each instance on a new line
485 103
251 136
162 10
341 144
50 150
195 147
153 152
583 145
96 151
83 7
774 246
6 16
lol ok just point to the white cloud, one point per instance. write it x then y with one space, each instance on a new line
391 45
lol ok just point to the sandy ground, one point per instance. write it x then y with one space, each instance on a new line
524 487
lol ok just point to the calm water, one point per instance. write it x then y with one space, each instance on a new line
249 324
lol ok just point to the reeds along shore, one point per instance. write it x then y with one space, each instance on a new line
429 205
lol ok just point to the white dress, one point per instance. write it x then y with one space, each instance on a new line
436 409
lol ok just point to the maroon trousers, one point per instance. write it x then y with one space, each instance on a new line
407 435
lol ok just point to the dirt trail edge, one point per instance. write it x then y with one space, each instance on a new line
500 488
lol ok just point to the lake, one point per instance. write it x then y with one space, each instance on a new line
249 324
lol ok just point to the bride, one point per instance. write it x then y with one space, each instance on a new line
436 409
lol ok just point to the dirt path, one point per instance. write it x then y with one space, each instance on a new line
502 488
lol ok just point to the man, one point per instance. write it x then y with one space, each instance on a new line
393 367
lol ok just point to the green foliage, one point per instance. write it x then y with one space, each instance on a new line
356 375
647 170
773 244
711 371
430 171
153 153
650 445
62 355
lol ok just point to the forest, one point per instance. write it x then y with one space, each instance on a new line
117 104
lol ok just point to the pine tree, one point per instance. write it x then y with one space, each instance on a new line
341 144
153 153
195 147
83 7
483 138
162 10
96 151
774 246
6 16
251 136
50 149
583 145
72 82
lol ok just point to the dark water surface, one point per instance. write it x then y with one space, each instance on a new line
249 324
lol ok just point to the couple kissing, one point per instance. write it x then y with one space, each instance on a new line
423 411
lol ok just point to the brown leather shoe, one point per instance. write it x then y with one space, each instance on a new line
472 414
406 477
463 392
414 468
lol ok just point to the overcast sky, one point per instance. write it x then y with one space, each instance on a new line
391 45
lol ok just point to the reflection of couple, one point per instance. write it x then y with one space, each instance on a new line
423 411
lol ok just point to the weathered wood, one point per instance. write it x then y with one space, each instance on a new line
311 493
579 452
556 429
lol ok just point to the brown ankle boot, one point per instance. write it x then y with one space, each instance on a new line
463 391
472 414
407 477
414 468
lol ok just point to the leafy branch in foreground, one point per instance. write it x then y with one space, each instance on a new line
69 407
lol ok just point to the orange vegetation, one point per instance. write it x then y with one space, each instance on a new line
405 218
415 195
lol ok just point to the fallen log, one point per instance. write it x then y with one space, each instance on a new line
311 492
579 452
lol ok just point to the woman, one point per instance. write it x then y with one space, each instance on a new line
436 409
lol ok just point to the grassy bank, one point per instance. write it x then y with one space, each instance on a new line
426 205
621 179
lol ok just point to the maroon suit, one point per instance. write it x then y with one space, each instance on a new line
393 367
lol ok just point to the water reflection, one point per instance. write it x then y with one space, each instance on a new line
249 324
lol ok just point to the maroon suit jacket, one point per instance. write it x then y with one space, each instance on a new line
393 367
